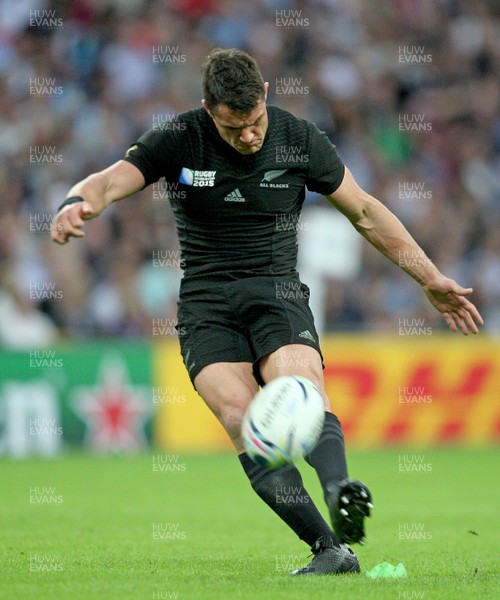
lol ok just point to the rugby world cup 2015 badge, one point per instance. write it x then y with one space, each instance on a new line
197 178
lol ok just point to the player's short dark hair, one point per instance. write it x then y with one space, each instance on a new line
232 77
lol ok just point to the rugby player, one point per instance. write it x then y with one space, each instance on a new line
236 223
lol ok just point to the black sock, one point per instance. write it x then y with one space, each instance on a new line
283 490
328 456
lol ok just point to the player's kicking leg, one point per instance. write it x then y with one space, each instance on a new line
228 388
348 500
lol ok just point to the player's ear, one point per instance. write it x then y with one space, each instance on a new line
266 87
205 106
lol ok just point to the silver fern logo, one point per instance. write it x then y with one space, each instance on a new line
270 176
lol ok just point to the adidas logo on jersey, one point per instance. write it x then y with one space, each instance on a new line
234 196
307 335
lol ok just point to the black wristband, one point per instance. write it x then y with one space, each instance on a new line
70 200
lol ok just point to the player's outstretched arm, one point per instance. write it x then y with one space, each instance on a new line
386 232
96 192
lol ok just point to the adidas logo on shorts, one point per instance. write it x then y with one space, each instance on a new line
234 196
307 335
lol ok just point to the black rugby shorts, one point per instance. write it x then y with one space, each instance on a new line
242 320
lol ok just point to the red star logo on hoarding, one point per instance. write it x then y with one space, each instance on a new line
113 410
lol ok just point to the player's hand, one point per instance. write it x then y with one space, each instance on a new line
69 221
450 299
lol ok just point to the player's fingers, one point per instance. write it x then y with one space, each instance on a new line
55 231
467 317
463 326
60 239
73 230
463 323
459 320
86 210
450 322
75 221
458 289
470 309
460 323
67 232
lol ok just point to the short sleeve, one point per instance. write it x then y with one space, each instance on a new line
156 154
326 170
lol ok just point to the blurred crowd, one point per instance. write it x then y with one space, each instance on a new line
408 90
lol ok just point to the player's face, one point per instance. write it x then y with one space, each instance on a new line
245 132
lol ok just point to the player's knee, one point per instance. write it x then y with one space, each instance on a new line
317 380
232 408
315 376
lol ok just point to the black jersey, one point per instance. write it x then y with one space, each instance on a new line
238 213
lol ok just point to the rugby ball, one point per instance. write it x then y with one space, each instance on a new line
283 421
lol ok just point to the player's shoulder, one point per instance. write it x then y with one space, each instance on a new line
194 115
174 131
283 120
281 115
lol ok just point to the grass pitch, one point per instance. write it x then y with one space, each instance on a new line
85 527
